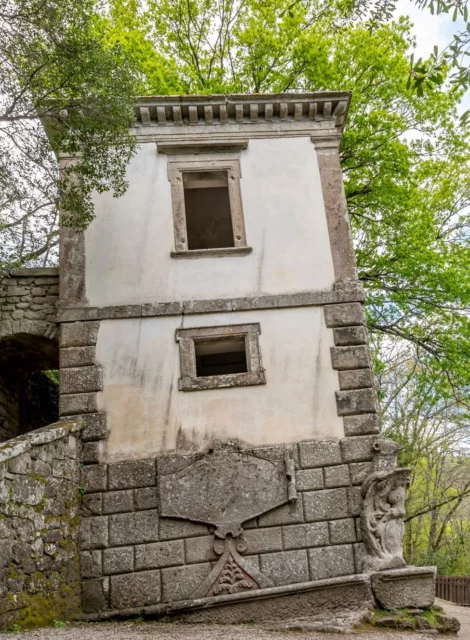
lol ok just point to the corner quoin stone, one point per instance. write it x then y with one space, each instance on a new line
344 315
356 401
359 425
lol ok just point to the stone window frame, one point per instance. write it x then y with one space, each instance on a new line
186 339
210 162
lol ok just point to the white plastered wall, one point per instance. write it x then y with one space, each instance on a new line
147 414
128 245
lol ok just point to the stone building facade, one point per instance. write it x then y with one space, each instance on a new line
213 345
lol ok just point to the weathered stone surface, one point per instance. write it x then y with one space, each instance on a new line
81 379
382 514
95 478
342 531
447 624
118 501
355 379
361 424
302 536
136 473
118 560
290 513
346 336
180 583
133 528
77 356
320 453
358 471
159 554
337 476
93 595
287 567
77 404
198 491
402 588
263 540
357 448
356 401
326 504
172 529
343 315
95 426
354 500
145 498
360 552
94 532
355 357
309 479
135 589
39 502
199 550
92 504
91 452
79 334
91 564
330 562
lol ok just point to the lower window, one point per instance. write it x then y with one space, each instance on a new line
220 357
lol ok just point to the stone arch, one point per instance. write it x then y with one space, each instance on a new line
29 347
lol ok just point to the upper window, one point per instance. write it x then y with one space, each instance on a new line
219 357
207 209
207 206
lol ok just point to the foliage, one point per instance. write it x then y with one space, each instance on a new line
55 70
435 434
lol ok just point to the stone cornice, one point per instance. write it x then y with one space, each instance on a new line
350 291
326 107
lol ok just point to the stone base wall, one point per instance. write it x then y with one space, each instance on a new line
132 557
39 522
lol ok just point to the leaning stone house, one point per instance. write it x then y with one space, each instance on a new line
215 383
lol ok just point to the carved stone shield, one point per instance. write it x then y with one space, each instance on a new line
224 489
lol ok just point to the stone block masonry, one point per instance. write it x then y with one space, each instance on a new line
132 557
39 523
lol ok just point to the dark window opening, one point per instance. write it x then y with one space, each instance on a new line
207 208
220 357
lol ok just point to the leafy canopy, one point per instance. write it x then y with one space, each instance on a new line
55 68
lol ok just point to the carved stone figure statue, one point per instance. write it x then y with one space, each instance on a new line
382 513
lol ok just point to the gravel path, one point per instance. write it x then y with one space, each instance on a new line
174 631
159 631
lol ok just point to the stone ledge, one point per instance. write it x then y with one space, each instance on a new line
34 272
339 294
19 445
359 582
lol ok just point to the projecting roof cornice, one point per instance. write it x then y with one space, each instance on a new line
295 112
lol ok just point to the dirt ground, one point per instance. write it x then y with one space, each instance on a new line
164 631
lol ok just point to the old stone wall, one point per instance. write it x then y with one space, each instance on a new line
28 345
29 296
132 557
39 521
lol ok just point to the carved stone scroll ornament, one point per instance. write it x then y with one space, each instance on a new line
382 513
232 573
225 489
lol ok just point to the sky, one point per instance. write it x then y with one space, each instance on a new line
431 30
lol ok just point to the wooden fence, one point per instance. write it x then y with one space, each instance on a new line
454 589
